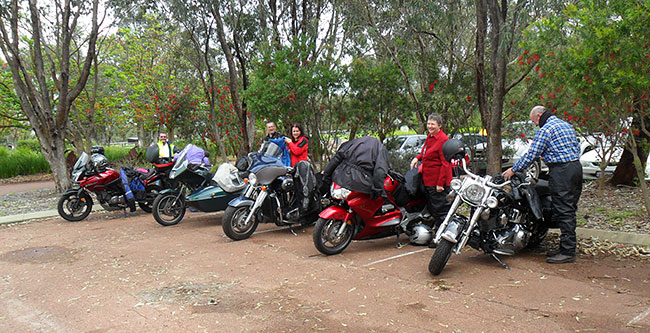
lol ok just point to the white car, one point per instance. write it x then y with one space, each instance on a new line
409 143
591 161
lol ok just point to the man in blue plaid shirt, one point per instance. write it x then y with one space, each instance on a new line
557 144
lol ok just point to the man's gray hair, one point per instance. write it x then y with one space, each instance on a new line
538 110
435 117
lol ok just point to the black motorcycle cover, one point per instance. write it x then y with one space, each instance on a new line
306 186
360 165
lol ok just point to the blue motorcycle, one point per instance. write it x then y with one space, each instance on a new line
274 193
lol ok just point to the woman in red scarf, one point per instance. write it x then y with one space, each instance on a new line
436 170
297 145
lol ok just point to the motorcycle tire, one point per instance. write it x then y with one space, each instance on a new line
150 196
232 223
73 207
324 233
440 256
167 212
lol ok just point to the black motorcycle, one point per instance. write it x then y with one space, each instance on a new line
505 216
274 193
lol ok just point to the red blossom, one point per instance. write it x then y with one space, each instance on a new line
469 98
512 102
522 135
550 54
636 132
431 86
527 79
322 108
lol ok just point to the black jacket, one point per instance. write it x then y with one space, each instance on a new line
360 165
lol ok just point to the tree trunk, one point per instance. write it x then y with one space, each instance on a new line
625 172
234 78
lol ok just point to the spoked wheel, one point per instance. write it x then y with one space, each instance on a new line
332 236
168 210
75 207
234 223
440 256
150 195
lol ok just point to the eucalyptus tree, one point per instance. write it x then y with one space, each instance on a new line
36 42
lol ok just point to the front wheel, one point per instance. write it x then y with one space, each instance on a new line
329 238
75 207
168 210
234 223
440 256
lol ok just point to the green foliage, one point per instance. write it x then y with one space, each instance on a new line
595 63
29 144
116 153
21 161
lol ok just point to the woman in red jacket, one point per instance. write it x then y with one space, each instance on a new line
297 145
436 170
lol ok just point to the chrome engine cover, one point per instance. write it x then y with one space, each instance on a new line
512 240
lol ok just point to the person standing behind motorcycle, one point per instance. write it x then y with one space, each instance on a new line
297 145
557 143
165 149
436 170
273 136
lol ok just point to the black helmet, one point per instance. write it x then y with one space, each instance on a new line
151 155
453 149
97 150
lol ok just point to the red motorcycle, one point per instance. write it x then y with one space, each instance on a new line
92 175
358 216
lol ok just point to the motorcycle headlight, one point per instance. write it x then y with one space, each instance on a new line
474 193
456 184
252 179
492 202
340 193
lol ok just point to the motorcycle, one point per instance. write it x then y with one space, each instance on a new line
358 216
207 193
505 216
92 175
271 194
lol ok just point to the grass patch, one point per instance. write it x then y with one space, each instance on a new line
21 161
115 153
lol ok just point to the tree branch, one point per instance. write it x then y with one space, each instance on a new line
435 36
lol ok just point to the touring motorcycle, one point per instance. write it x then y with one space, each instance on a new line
207 193
91 174
505 216
357 215
274 193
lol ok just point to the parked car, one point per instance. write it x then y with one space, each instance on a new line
516 141
591 161
408 143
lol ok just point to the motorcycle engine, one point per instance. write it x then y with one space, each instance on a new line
511 240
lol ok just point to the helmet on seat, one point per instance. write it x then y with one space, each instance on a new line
422 235
97 150
453 149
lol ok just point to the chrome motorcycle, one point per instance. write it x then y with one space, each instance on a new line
505 216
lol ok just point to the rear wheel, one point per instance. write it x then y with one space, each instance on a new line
234 223
75 207
440 256
328 237
167 210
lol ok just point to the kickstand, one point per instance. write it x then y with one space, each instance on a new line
124 212
291 229
399 245
494 256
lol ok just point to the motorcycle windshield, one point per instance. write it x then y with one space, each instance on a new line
81 161
269 154
181 162
270 149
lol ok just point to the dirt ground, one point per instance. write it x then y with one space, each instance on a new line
110 273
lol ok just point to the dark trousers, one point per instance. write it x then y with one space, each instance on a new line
437 203
565 182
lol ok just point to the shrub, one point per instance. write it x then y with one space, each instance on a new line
21 161
31 144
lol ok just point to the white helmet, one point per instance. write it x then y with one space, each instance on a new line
421 235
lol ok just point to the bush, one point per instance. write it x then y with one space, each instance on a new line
21 161
401 162
30 144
